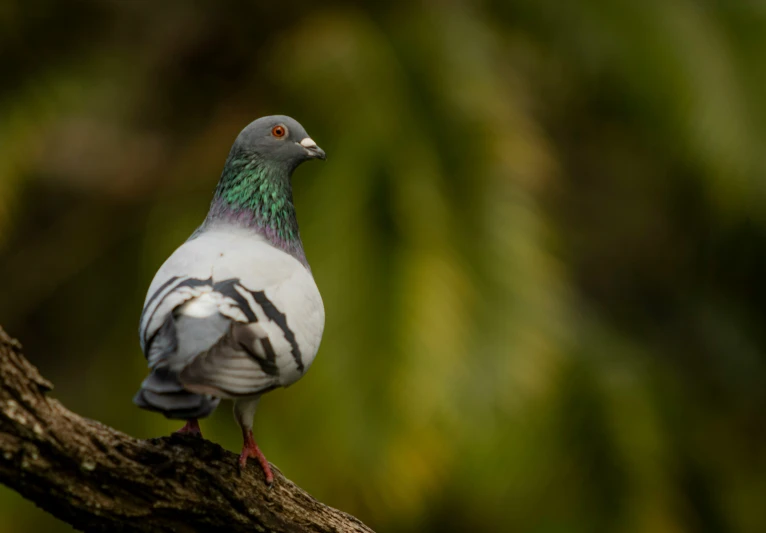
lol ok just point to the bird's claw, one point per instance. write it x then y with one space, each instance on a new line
250 449
190 428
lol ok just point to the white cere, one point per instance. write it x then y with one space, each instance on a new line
308 142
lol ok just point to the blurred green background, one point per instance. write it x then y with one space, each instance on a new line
540 237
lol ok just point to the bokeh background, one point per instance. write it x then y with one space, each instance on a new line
540 236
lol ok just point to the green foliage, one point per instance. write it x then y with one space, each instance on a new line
539 237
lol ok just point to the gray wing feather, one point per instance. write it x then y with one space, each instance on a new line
176 291
162 392
195 360
241 363
179 338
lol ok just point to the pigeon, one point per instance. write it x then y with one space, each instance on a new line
234 312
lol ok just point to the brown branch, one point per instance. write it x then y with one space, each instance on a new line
98 479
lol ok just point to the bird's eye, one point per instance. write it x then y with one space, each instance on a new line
278 131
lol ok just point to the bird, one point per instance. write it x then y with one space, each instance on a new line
234 312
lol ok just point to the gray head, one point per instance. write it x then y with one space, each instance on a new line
278 139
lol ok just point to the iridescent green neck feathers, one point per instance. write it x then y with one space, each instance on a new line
256 193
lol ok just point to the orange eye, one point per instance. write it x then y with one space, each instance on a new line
278 131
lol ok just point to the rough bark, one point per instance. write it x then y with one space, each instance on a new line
98 479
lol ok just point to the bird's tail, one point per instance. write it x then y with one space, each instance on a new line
162 392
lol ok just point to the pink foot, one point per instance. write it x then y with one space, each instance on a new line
250 449
191 428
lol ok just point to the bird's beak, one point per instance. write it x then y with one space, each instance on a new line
312 149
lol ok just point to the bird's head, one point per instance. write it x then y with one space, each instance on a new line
255 189
278 139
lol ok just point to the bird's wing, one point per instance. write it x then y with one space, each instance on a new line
213 316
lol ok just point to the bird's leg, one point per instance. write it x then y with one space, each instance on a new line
191 428
244 411
250 449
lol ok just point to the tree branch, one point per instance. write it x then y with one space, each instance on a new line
98 479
